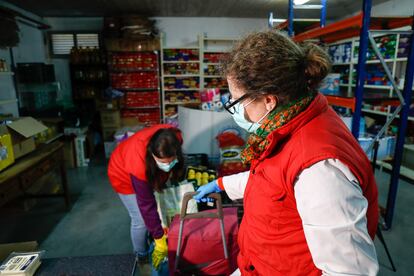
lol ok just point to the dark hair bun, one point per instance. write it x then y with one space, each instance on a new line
317 64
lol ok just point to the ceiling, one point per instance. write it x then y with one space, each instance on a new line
186 8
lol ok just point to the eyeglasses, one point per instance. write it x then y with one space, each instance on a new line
230 104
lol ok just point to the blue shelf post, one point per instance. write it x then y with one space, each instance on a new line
290 19
363 47
399 147
323 14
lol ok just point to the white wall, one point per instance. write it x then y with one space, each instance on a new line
62 69
183 31
31 48
7 91
394 8
75 23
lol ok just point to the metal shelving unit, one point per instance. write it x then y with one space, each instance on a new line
205 45
148 68
213 45
367 27
164 90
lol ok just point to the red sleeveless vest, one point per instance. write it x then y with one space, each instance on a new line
129 159
271 237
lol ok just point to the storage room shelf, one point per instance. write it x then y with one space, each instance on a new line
182 103
370 86
401 59
131 70
142 107
215 51
181 48
341 63
368 61
375 112
3 102
350 27
6 73
181 76
182 89
136 89
181 61
409 118
212 76
54 138
409 147
384 87
347 102
404 171
211 63
220 88
219 39
376 61
384 113
83 65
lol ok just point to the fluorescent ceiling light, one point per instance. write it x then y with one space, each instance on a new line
300 2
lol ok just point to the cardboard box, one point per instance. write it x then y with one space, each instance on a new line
22 132
6 148
7 248
110 118
130 122
113 104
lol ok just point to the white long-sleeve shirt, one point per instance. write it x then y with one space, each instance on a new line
333 212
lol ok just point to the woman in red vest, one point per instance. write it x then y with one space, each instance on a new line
139 166
310 197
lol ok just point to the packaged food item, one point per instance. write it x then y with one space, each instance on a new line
231 144
200 175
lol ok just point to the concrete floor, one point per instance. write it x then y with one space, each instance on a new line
98 224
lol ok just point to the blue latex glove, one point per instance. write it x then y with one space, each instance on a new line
211 187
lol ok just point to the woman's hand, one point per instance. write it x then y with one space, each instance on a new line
203 191
160 251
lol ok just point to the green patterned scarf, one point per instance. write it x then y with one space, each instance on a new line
257 142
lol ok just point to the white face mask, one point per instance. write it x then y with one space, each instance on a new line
239 118
166 167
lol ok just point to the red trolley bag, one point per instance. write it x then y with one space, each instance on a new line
203 243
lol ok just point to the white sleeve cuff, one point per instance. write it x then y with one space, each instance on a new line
235 184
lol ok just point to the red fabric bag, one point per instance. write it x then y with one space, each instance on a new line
202 250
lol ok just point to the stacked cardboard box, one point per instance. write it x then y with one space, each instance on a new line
18 139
